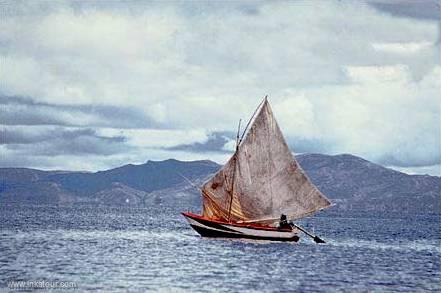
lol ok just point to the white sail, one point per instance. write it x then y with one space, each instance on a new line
262 180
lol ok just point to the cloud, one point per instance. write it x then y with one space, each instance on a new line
114 56
426 10
383 116
53 142
402 48
25 111
216 142
156 138
79 148
377 74
347 77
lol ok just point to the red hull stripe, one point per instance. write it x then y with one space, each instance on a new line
215 225
204 221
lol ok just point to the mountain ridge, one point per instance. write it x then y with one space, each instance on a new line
351 182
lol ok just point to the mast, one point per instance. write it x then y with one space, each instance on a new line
234 172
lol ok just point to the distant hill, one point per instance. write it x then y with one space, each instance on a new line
352 183
30 185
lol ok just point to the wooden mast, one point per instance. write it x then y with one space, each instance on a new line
234 172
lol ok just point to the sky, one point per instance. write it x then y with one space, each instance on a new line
92 85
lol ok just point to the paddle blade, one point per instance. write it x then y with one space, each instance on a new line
318 240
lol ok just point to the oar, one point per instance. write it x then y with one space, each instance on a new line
315 237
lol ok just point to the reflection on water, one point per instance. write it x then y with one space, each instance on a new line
154 249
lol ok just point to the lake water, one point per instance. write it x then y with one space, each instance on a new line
120 249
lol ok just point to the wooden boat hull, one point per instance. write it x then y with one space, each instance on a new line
221 229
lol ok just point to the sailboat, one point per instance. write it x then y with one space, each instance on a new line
260 185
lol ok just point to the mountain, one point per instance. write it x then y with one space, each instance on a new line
129 183
147 177
352 183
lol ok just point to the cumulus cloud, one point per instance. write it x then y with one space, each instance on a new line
348 77
383 116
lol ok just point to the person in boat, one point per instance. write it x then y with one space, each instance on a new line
283 223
